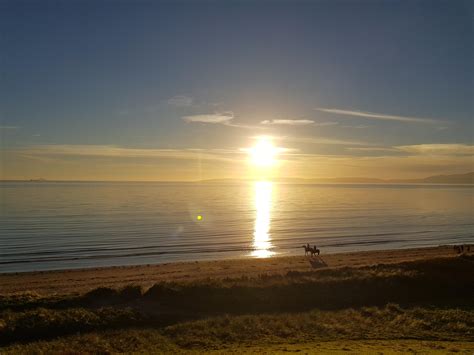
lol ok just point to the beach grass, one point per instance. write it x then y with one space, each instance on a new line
428 301
389 324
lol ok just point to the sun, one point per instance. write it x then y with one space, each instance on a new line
263 154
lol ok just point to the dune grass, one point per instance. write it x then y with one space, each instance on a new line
434 281
390 322
429 300
262 330
151 342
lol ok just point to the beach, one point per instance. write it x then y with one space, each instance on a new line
76 281
405 300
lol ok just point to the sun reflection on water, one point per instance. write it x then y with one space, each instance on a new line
263 204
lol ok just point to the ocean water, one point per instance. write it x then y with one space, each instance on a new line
54 225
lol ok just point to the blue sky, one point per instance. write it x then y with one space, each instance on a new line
157 90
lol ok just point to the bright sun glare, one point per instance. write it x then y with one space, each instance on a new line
263 153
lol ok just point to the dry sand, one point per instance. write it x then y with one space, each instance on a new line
82 280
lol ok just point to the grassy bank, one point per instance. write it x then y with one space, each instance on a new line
233 332
429 300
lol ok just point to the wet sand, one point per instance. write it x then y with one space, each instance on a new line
78 281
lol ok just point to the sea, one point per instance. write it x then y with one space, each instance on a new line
64 225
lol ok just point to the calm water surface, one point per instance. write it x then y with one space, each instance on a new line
68 225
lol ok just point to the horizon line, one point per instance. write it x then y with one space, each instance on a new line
377 180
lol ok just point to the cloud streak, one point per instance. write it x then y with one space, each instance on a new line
297 123
438 149
372 149
378 116
180 101
96 162
224 118
329 141
423 149
287 122
112 151
214 118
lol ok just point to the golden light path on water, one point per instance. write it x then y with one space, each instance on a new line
263 205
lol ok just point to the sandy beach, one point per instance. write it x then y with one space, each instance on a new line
78 281
360 302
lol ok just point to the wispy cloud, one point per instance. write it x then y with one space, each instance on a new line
329 123
422 149
438 149
9 127
378 116
224 118
112 151
382 166
287 122
180 101
322 140
361 126
372 149
215 118
87 162
297 123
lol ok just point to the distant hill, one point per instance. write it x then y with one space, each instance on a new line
461 179
467 178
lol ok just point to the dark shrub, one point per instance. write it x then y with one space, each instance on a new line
131 292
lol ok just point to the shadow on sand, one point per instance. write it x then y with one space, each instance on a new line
317 262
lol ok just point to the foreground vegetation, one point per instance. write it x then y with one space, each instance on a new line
448 328
323 310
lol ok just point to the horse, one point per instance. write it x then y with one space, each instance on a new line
312 250
307 249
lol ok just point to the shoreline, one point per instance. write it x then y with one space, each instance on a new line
262 305
76 281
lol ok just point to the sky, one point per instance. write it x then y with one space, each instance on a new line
176 90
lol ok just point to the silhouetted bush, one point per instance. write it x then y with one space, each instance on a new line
131 292
46 323
439 281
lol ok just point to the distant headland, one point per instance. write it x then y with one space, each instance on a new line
462 179
453 179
